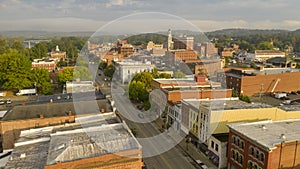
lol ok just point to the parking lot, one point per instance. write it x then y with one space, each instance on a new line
271 100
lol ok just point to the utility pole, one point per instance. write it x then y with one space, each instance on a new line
261 89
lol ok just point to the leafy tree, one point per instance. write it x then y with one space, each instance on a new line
102 65
41 79
155 73
65 75
253 65
165 75
15 70
179 74
109 71
39 51
136 90
245 98
144 77
265 46
3 46
82 73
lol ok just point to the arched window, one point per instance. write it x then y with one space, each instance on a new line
233 154
252 151
250 165
262 157
241 159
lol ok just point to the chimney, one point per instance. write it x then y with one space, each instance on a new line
41 116
102 110
200 78
70 113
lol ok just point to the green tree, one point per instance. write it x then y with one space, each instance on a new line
109 71
102 65
165 75
155 73
39 51
178 74
144 77
3 46
15 70
245 98
82 73
65 75
41 79
265 46
253 65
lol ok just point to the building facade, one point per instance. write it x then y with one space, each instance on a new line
264 145
126 70
267 80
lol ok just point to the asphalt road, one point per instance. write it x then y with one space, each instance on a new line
173 158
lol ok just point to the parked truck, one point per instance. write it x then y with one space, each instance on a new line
26 92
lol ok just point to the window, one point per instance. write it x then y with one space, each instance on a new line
257 154
252 151
262 157
217 147
212 144
232 154
250 165
234 140
242 145
255 166
238 142
241 159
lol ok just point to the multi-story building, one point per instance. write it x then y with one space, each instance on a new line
264 145
126 70
50 65
262 55
57 54
171 57
266 80
202 118
206 49
95 141
184 42
41 115
208 67
217 149
151 45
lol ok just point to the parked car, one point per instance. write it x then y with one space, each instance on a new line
8 101
202 165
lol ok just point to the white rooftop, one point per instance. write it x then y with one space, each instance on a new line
269 133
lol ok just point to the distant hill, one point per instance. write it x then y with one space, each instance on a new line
240 32
42 34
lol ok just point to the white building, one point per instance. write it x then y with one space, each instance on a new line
127 70
217 146
174 116
262 55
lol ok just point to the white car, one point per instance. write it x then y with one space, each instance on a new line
202 165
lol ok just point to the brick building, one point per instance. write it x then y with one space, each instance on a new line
171 57
266 80
57 54
264 145
104 143
208 67
34 116
201 118
44 64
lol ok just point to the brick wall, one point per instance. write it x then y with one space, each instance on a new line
122 160
10 130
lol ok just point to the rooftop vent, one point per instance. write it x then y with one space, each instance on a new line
23 155
263 127
282 136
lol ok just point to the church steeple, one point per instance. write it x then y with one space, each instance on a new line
170 40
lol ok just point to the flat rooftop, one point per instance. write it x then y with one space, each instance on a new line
224 104
56 109
269 133
223 137
265 71
102 134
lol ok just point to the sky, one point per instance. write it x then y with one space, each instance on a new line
90 15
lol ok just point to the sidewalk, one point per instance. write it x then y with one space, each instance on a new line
191 150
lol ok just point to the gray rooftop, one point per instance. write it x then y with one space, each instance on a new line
268 133
103 133
224 104
56 109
